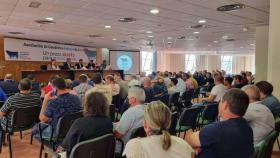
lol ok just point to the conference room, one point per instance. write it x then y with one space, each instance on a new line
139 78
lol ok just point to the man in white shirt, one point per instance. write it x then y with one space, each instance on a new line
181 86
259 117
133 117
218 90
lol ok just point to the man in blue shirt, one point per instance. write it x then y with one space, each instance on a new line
230 138
9 86
55 105
267 98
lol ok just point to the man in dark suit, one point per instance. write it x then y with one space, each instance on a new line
91 65
67 65
79 65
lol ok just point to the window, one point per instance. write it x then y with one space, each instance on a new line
190 63
226 64
147 62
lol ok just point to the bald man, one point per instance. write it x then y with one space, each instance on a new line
9 86
259 117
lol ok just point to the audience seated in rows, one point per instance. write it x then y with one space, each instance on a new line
100 87
133 117
110 81
19 100
82 87
54 106
258 115
158 143
230 138
267 98
95 122
9 86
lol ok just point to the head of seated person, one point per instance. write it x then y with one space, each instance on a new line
157 120
136 96
97 78
8 77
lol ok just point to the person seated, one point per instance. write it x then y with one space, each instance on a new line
48 88
189 82
79 65
209 80
133 117
250 77
3 96
172 87
181 85
228 82
166 78
149 92
109 80
159 87
217 91
100 87
158 143
9 86
244 78
35 85
19 100
267 98
132 81
82 87
69 87
232 137
53 65
55 105
259 117
237 81
91 65
67 65
95 122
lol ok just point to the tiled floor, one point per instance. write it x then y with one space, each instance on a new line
22 148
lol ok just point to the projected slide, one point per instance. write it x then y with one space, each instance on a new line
125 60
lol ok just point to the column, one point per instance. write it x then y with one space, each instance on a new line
274 47
261 53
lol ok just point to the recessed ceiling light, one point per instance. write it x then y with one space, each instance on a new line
114 39
149 32
252 44
202 21
107 26
196 32
216 41
150 36
169 42
245 29
209 45
170 38
49 18
241 47
154 11
225 37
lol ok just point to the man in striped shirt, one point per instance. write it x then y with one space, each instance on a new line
22 99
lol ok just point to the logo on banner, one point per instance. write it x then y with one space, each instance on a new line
124 62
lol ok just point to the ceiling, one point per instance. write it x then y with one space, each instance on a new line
75 20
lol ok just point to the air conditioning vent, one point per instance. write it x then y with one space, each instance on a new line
231 7
44 22
127 19
16 33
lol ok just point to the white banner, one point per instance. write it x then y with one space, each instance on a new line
27 50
